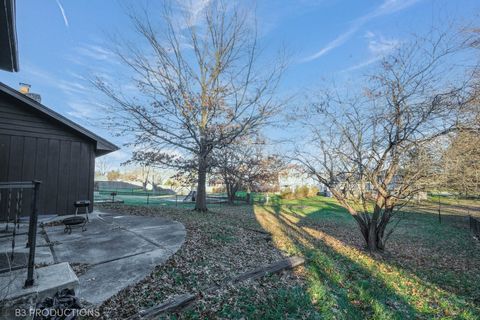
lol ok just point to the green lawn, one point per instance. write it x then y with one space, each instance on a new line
452 200
429 270
145 199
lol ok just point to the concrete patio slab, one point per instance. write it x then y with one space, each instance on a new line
102 281
43 255
94 248
117 250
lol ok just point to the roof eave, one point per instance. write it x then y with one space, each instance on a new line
103 146
9 54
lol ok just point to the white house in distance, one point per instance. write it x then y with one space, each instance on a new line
293 177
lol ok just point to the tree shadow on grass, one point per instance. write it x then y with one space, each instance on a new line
443 254
348 283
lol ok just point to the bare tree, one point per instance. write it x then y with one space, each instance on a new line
102 166
113 175
157 178
457 164
372 150
141 174
245 166
199 86
460 164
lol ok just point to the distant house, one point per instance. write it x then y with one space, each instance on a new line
293 177
36 143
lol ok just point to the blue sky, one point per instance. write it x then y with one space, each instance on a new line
62 42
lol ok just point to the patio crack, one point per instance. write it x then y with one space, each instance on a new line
156 244
149 241
119 258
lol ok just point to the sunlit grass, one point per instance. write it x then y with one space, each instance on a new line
346 282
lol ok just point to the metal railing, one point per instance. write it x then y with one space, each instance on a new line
17 189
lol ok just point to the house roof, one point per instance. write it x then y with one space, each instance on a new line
8 36
102 146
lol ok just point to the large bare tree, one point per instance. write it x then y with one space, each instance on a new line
373 149
200 85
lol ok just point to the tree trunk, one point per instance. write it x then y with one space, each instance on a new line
371 226
372 236
230 193
201 197
373 233
376 236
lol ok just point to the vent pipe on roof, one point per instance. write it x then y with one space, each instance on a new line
25 89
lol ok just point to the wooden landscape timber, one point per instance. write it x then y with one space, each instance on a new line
184 300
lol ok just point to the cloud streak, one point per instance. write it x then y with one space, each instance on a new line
386 8
379 47
65 19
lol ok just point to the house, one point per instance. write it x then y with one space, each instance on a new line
293 176
36 143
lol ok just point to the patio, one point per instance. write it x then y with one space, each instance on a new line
115 251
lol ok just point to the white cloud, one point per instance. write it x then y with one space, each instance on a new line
192 11
116 158
196 7
369 34
341 39
386 8
362 64
96 52
378 47
82 110
65 19
391 6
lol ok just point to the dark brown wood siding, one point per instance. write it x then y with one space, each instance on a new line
34 147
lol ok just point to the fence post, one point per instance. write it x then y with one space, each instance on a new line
439 210
32 236
148 197
475 226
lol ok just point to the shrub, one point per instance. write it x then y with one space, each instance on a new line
219 189
301 192
287 194
313 191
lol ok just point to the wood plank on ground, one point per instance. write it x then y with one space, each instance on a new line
275 267
173 303
183 300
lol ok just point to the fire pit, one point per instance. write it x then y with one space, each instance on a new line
77 221
74 222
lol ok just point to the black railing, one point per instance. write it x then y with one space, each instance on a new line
14 191
475 226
